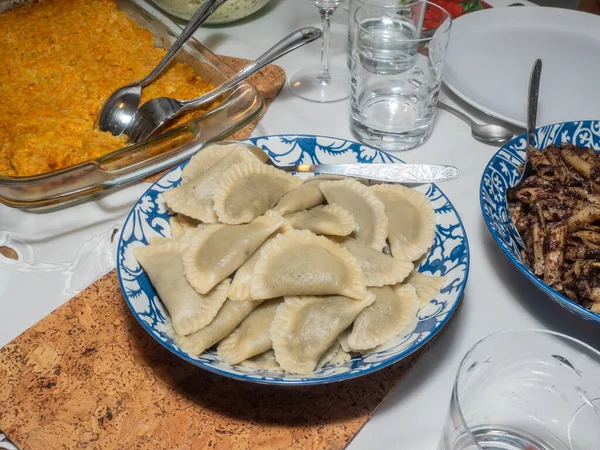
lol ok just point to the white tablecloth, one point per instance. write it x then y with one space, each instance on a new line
68 250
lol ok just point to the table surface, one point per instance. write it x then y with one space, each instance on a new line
68 250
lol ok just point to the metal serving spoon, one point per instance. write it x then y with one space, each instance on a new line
118 110
391 173
487 133
156 113
532 105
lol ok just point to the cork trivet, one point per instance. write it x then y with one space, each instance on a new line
268 82
89 376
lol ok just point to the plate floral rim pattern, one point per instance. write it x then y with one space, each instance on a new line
449 256
501 172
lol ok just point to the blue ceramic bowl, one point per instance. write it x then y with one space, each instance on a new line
449 256
501 173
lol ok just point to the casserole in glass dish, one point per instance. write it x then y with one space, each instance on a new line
120 168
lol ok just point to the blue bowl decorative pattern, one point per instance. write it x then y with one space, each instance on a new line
502 173
449 256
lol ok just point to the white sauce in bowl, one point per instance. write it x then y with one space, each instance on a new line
231 11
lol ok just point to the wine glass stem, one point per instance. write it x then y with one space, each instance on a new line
324 75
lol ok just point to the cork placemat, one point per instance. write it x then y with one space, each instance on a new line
89 376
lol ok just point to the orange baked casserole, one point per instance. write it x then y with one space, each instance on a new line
60 59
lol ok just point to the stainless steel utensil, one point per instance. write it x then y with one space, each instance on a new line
118 110
391 173
532 105
487 133
156 113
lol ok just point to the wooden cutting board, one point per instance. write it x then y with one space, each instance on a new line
88 376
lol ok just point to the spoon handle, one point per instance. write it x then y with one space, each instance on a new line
291 42
391 173
532 101
201 14
456 112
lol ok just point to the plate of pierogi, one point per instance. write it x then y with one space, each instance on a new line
273 277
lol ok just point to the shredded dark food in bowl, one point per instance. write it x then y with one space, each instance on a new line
557 213
60 60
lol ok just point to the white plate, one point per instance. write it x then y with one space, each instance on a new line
491 53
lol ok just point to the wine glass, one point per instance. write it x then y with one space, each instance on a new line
322 83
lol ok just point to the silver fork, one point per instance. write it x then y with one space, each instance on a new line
156 113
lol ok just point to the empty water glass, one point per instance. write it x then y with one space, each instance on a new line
397 62
525 390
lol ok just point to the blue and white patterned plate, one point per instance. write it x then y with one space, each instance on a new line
501 173
449 256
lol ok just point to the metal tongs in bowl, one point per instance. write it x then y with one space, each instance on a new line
155 114
119 109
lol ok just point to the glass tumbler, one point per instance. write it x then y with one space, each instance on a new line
397 62
525 390
353 5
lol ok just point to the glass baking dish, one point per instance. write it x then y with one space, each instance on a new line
123 167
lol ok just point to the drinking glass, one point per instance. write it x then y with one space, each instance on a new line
525 390
398 52
323 83
353 5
